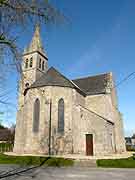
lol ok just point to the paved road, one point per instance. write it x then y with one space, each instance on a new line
72 174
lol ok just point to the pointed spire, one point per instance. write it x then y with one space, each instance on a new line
36 43
36 40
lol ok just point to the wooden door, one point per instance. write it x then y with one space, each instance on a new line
89 144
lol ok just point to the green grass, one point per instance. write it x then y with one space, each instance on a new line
117 163
34 160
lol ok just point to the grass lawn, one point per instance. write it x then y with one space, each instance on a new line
34 160
117 163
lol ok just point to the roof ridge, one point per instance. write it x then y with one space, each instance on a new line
85 77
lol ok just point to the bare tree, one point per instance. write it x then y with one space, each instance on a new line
15 16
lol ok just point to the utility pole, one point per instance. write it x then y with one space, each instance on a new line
50 125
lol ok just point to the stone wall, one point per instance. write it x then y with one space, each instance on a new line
38 142
119 133
87 122
83 115
19 132
101 104
106 106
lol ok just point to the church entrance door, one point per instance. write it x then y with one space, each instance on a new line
89 144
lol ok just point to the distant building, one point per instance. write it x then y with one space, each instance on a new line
5 135
133 140
130 141
65 116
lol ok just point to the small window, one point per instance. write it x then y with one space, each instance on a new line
31 62
26 63
43 65
40 63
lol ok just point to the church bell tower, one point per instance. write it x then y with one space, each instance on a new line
34 64
34 60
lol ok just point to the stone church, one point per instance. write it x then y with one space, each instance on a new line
61 116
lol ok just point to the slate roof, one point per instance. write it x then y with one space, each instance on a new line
93 85
54 78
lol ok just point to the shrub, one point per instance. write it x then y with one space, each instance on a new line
130 148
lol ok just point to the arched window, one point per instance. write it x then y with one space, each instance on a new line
43 65
40 63
31 62
26 63
36 116
61 116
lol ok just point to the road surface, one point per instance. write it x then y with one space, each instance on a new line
70 173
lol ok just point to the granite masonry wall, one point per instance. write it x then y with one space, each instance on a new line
83 115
